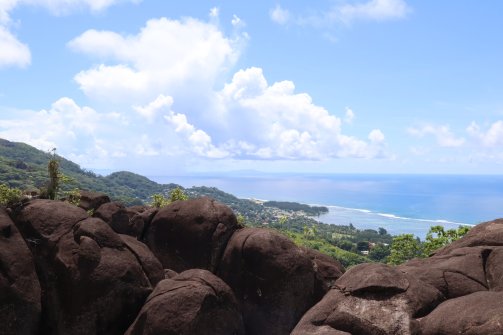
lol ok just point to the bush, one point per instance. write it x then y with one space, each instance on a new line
9 196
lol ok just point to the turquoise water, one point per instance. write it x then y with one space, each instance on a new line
398 203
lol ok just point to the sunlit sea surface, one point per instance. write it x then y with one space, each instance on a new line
398 203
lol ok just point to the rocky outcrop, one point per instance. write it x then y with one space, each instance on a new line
371 299
273 279
63 271
92 281
128 221
191 234
20 302
192 303
92 200
474 314
455 291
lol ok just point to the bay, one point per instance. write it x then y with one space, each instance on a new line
398 203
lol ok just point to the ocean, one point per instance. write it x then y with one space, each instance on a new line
399 203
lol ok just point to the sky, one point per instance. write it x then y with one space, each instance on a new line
204 87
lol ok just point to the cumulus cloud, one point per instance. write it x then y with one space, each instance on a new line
65 125
274 122
12 51
442 134
16 53
161 58
492 137
154 108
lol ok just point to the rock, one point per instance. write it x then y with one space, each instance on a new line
151 265
191 234
192 303
373 278
474 314
168 273
326 269
122 220
20 296
455 274
272 278
92 200
494 270
92 281
371 299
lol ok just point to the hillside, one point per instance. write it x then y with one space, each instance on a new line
25 167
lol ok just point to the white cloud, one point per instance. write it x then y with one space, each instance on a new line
490 138
237 22
345 12
274 122
16 53
279 15
442 134
214 12
376 10
350 115
151 110
65 125
12 51
163 57
200 142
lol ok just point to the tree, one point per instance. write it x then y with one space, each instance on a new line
9 196
159 200
379 253
437 238
53 169
362 246
382 231
403 248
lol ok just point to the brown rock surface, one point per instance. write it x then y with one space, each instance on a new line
272 278
191 234
195 302
479 313
122 220
20 295
92 283
92 200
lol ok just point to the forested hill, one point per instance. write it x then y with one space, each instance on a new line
25 167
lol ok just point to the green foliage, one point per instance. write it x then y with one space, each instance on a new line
403 248
295 206
73 197
178 194
345 257
437 238
380 253
9 196
241 220
159 201
54 176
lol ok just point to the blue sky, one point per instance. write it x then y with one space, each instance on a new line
165 87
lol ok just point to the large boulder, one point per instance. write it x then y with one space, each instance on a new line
92 200
272 278
122 220
20 299
326 269
192 303
191 234
475 314
458 273
371 299
494 269
92 281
